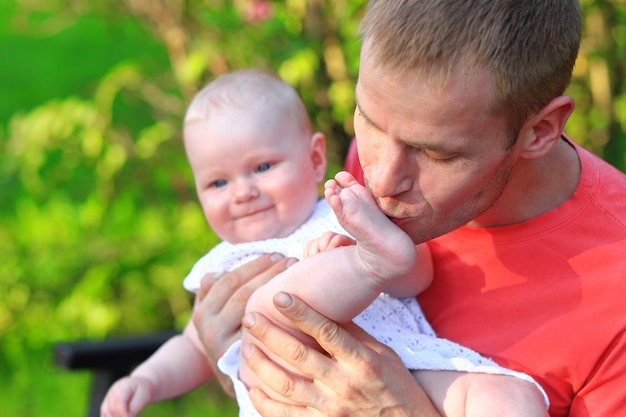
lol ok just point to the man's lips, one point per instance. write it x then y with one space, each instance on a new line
399 217
391 213
399 213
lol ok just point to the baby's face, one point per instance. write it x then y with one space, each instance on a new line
255 177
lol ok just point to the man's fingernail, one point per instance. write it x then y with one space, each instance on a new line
248 320
282 299
290 262
276 257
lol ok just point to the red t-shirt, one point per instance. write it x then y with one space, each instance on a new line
547 296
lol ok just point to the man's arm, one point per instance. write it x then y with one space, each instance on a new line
359 376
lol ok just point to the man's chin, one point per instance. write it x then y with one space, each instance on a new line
399 221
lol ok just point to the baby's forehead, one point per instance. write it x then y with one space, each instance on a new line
256 126
224 102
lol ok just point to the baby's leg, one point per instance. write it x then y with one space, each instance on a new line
502 395
384 250
463 394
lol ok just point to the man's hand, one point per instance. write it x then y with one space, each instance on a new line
220 305
358 376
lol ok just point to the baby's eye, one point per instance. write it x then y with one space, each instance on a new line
218 183
263 167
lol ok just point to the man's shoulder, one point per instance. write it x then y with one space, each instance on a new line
600 167
606 184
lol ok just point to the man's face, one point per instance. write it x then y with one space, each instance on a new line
432 155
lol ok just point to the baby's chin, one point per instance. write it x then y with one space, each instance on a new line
273 233
254 234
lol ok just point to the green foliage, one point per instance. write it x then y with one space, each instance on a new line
99 221
599 83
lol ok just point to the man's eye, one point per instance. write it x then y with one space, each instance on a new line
218 183
438 157
263 167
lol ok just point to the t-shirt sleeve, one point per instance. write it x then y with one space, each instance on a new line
604 394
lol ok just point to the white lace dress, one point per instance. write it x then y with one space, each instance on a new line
226 256
398 323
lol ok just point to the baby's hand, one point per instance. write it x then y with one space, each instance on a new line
127 397
328 240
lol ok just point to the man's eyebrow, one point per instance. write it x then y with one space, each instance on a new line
364 115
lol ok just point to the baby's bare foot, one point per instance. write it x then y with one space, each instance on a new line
354 207
384 248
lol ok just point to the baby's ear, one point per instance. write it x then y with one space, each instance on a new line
543 130
318 155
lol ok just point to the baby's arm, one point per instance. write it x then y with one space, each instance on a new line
175 368
328 240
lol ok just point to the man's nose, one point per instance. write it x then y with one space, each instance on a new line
390 174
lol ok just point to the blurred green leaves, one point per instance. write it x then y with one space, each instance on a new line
599 83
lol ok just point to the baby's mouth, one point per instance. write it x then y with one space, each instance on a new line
254 212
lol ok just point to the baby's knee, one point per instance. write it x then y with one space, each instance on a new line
500 395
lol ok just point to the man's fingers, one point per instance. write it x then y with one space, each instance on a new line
206 283
325 331
220 305
285 384
356 370
217 316
301 356
222 287
348 343
262 273
266 406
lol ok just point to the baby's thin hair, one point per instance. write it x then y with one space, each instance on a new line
240 89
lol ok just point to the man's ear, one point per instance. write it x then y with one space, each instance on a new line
543 130
318 155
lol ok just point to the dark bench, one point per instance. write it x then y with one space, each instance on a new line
108 360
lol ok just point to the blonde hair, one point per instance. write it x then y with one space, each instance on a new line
528 46
244 88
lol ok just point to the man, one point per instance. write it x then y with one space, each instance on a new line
459 123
